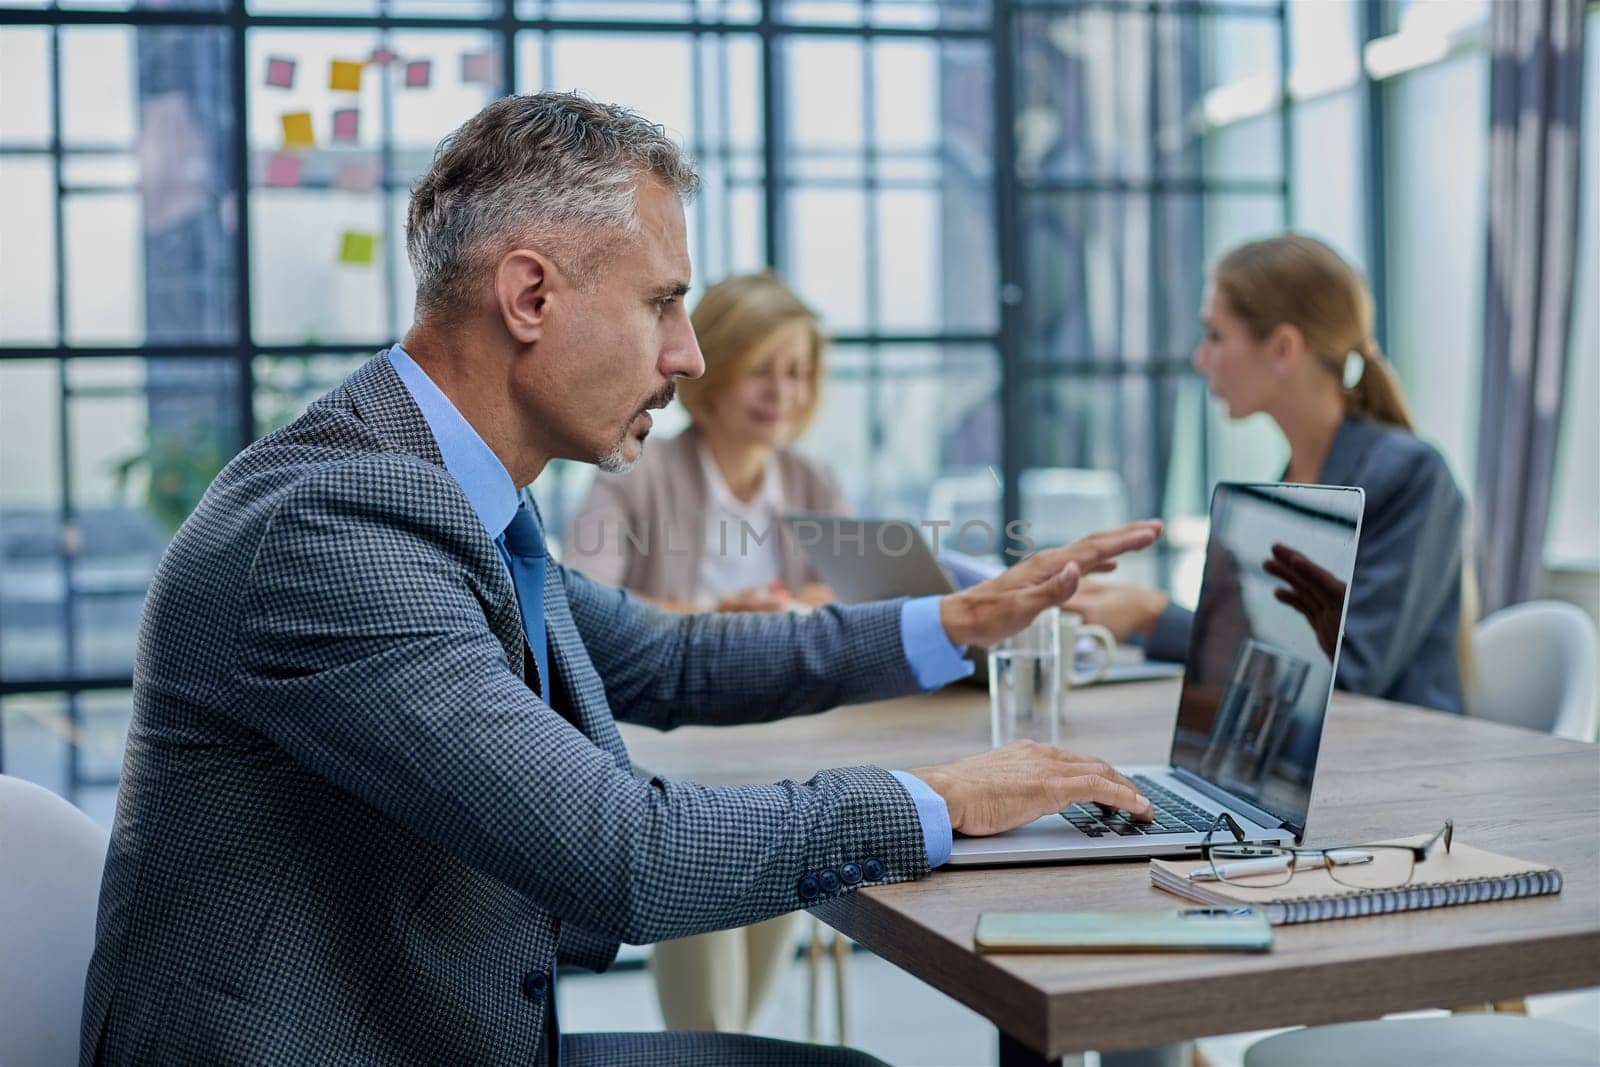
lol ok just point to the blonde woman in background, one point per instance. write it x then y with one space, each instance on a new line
674 531
1284 318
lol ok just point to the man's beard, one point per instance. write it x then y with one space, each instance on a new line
614 461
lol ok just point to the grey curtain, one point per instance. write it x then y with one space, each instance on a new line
1535 92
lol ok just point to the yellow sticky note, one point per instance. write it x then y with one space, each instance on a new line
297 130
358 249
344 76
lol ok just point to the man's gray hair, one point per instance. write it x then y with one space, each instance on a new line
554 171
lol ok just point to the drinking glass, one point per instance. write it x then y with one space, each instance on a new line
1025 683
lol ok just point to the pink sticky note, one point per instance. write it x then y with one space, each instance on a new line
418 73
346 124
280 72
283 170
478 68
356 175
381 56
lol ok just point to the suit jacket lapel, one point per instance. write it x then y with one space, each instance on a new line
569 661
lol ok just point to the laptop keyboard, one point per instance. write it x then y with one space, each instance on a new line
1170 814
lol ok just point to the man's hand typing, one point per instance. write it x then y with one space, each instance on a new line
1005 788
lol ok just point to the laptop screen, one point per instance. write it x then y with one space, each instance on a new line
1265 641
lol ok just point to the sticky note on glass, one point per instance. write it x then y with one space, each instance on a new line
283 170
280 72
356 175
381 56
344 76
358 249
346 124
297 130
477 68
418 73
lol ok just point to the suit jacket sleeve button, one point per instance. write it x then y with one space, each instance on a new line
829 880
850 873
874 869
536 984
810 888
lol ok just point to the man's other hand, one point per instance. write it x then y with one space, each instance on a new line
994 610
1126 610
1008 787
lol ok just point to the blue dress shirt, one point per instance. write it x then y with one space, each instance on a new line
934 661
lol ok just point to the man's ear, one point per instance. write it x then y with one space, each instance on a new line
524 286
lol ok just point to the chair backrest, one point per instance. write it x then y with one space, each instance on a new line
1061 504
1534 665
51 858
963 498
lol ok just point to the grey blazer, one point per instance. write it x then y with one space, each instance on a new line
1405 602
348 830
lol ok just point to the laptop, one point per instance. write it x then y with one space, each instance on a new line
1262 656
865 560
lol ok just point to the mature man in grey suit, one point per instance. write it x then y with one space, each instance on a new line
374 791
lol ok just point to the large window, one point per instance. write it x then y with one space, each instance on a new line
1139 156
1433 70
1001 208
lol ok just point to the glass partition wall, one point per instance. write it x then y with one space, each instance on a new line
1001 209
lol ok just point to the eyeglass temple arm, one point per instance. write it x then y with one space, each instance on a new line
1447 831
1234 828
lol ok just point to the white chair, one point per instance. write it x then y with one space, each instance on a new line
962 498
1533 665
1445 1041
51 857
1061 504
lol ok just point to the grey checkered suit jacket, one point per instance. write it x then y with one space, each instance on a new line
349 832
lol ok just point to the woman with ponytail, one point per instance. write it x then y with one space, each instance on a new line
1288 331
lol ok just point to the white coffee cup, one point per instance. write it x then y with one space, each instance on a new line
1074 630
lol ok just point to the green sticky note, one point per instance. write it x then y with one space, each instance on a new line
358 249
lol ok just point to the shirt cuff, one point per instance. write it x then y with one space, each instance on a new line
933 659
934 814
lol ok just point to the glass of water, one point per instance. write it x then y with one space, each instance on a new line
1024 683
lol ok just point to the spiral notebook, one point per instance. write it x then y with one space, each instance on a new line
1464 875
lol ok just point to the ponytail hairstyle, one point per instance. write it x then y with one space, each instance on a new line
1299 280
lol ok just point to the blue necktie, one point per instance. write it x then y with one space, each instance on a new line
522 546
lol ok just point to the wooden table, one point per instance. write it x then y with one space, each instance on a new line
1386 770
